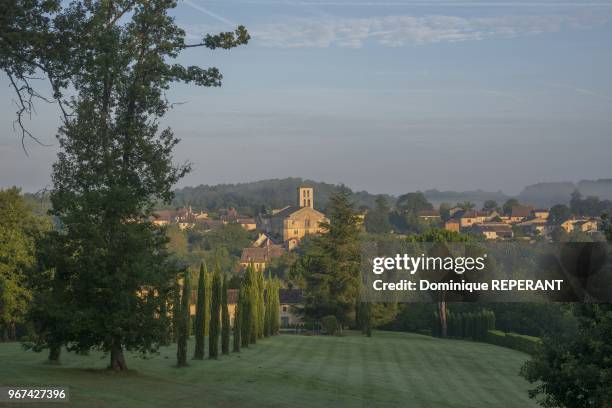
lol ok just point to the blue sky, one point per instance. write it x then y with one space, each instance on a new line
389 96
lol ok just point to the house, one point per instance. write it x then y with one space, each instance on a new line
260 257
290 303
580 225
469 218
520 212
163 217
429 215
292 223
535 226
248 224
494 230
540 214
452 225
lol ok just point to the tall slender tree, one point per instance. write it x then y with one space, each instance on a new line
184 313
225 319
245 315
200 314
215 315
238 322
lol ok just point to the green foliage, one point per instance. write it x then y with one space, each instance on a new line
246 314
377 220
490 205
507 207
575 371
215 315
558 214
236 339
520 342
200 317
20 230
225 319
250 198
330 264
330 324
183 322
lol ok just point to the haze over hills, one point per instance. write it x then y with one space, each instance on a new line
277 193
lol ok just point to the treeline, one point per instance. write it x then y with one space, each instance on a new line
259 196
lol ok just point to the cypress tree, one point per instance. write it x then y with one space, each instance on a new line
200 316
267 318
181 347
245 316
261 308
225 319
215 314
176 311
237 322
276 308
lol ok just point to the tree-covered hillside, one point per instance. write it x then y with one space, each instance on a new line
252 197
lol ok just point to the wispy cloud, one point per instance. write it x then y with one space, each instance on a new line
209 13
397 31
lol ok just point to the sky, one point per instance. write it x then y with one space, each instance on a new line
389 96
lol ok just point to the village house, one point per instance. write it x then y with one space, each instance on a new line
429 215
248 224
468 219
452 225
494 230
290 301
585 225
520 213
260 257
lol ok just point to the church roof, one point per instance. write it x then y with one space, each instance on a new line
286 212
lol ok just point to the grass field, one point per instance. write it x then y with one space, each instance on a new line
387 370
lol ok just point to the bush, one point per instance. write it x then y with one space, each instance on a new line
330 324
520 342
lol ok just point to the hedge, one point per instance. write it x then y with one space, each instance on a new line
520 342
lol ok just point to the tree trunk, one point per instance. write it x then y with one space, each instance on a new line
54 353
117 360
442 314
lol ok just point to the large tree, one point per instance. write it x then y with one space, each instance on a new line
377 220
575 371
331 263
115 60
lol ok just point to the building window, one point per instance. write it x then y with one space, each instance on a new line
284 308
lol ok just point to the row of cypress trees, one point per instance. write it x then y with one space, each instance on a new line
257 313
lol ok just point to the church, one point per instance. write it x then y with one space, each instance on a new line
292 223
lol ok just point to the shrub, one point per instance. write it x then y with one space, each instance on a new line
330 324
520 342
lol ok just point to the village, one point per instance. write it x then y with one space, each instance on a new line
280 232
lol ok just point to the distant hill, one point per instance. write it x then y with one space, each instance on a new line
277 193
251 197
549 194
478 197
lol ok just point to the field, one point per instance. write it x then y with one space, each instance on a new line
387 370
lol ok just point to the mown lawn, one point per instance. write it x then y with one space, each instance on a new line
387 370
